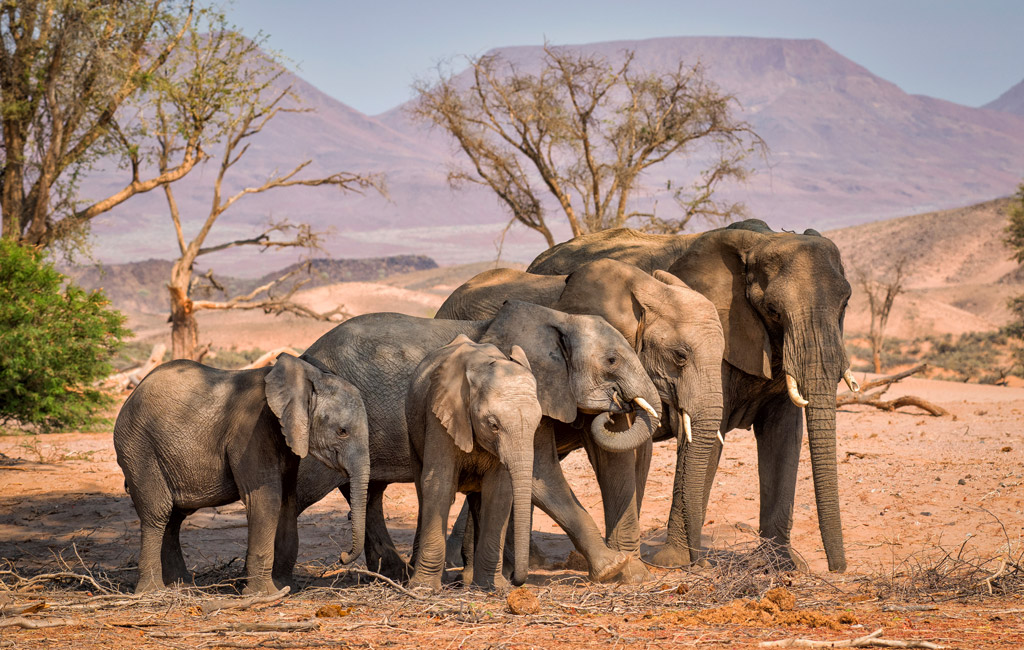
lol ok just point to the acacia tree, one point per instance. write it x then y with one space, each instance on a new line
223 89
66 69
881 293
584 131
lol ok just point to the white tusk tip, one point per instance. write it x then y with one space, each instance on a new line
645 405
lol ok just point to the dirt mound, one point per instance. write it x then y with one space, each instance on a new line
777 607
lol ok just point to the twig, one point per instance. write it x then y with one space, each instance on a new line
36 623
17 610
232 603
909 608
374 574
285 626
860 642
988 581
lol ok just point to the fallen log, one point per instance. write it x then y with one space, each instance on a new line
867 641
863 397
133 376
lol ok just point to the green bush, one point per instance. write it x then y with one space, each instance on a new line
55 341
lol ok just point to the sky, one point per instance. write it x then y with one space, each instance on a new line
368 53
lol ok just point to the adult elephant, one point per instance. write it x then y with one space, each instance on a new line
580 363
781 298
678 338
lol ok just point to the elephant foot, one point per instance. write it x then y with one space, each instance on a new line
390 565
670 556
605 570
427 583
780 558
633 573
258 586
147 585
497 583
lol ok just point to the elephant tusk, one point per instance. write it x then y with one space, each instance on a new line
794 392
850 381
721 439
645 405
616 401
686 427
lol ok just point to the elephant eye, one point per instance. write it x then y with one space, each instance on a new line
494 424
612 360
772 311
343 432
682 357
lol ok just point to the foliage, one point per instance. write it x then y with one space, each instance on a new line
982 357
585 131
67 67
55 341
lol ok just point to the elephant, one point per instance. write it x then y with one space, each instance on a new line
580 363
472 415
678 338
781 298
191 437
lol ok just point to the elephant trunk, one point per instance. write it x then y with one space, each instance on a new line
687 517
521 469
617 432
358 482
818 363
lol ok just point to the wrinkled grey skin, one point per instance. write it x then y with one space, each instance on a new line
678 337
472 415
191 436
580 363
782 298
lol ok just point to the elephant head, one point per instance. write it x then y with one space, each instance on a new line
678 338
323 415
483 398
582 364
781 298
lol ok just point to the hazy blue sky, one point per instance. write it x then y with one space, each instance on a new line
367 53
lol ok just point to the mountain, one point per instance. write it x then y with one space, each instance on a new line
846 147
1012 101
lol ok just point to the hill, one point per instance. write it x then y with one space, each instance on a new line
847 147
141 287
958 270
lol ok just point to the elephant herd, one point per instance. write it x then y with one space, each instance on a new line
608 342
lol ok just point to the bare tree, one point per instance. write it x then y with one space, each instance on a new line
881 293
224 89
584 131
66 69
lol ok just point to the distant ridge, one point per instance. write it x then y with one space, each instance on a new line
1012 101
142 286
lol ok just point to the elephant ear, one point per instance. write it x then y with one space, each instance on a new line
715 265
290 393
669 279
547 337
517 355
449 395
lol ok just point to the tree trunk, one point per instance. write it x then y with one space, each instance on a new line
876 358
184 328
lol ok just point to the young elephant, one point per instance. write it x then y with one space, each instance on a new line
191 436
472 415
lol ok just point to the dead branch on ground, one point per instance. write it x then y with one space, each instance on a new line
867 641
36 623
133 376
244 603
863 397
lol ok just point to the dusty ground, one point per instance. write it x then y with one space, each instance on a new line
913 486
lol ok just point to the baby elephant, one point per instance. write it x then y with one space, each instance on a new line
472 415
191 436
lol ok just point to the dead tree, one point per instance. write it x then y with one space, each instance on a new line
881 293
229 88
865 397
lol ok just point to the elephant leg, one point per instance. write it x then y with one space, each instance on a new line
552 494
154 505
496 506
435 491
617 476
471 536
453 547
171 558
381 554
263 512
778 429
286 540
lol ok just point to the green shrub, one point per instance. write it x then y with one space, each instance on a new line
55 341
